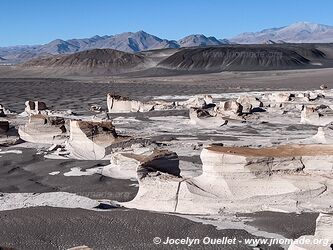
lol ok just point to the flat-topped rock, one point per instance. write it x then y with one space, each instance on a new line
243 179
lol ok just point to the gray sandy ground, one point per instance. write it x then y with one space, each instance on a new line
60 228
290 225
29 173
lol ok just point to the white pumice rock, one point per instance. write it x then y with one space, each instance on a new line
324 135
240 180
229 108
44 129
92 140
320 116
249 102
279 97
119 104
197 102
35 107
206 118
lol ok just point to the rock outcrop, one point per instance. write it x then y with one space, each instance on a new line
197 102
242 180
324 135
92 140
130 165
279 97
120 104
35 107
317 115
249 103
230 108
44 129
206 118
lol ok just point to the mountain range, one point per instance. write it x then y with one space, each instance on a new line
301 32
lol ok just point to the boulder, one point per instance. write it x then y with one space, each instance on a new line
92 140
230 108
249 102
323 86
120 104
197 102
324 135
44 129
279 97
35 107
320 115
206 118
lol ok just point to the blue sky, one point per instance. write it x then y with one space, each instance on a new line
40 21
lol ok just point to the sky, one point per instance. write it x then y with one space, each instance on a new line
41 21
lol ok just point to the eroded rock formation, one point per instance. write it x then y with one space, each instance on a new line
44 129
243 179
120 104
91 140
35 107
317 115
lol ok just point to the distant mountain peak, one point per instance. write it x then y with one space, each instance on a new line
299 32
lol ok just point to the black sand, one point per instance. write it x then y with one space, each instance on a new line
60 228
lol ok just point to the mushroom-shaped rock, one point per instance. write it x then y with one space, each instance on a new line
237 179
44 129
159 181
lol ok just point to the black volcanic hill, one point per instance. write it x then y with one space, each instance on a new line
90 61
248 57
